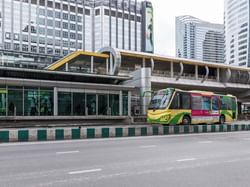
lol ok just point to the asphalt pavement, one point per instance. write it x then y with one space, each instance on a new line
215 159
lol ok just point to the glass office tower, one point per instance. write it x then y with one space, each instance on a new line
35 33
237 42
197 39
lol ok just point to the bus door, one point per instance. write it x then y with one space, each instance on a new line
215 112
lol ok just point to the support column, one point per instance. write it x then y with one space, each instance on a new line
172 69
55 101
111 64
129 103
92 64
196 72
107 66
66 67
218 75
143 62
120 103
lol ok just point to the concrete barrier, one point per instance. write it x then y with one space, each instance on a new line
44 134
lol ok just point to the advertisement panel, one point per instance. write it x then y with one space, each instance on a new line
149 29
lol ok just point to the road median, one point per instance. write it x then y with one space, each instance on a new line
70 133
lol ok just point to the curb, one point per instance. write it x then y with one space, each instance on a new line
45 134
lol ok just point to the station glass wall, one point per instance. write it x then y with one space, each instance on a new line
38 101
91 104
26 101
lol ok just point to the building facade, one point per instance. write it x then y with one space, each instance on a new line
237 42
39 32
197 39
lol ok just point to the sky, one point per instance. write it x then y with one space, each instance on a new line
164 19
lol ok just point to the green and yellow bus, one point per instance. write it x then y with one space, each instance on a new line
174 106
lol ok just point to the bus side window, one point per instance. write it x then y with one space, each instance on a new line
185 101
215 103
175 104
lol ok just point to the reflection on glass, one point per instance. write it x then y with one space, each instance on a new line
102 104
64 103
114 104
15 100
91 104
31 102
78 104
3 93
125 103
46 102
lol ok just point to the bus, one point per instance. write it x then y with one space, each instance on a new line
174 106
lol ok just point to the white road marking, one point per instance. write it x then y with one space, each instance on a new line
186 159
205 142
67 152
147 146
84 171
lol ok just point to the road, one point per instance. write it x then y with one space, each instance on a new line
219 159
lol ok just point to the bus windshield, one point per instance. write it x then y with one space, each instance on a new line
161 99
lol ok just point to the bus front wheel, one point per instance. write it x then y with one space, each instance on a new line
222 119
186 120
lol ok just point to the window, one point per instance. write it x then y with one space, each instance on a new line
50 22
57 51
196 102
79 27
50 4
57 15
124 103
42 40
72 9
72 26
7 35
50 13
33 39
58 24
16 36
16 47
106 12
7 45
57 33
42 2
79 18
72 35
50 32
102 104
25 38
46 102
113 13
185 101
34 2
80 10
33 49
42 12
79 36
114 104
65 34
42 50
65 16
91 104
226 103
206 102
25 47
65 25
72 17
97 12
41 21
215 103
65 43
15 100
57 6
65 7
78 104
87 12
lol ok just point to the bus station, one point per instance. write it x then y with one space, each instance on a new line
110 84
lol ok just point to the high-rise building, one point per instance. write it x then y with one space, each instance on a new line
43 31
237 41
197 39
